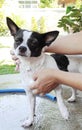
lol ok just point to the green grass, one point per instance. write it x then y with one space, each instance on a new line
7 69
6 65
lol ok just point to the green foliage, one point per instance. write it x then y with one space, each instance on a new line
38 25
18 20
78 3
46 3
72 20
42 26
3 27
1 3
34 25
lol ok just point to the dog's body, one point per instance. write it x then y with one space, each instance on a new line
70 63
28 47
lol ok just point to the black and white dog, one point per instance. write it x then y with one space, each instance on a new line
28 47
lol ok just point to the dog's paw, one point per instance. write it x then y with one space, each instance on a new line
27 123
71 99
65 115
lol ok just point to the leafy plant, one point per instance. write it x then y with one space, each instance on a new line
18 20
42 26
34 25
1 3
72 21
38 25
3 27
46 3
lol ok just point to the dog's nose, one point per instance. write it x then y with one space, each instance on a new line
22 49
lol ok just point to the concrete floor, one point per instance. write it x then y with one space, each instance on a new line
14 110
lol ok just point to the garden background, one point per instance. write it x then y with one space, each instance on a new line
36 15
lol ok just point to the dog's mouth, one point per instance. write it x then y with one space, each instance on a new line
22 54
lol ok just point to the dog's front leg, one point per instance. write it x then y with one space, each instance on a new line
61 105
31 108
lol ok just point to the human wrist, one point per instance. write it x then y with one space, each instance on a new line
58 76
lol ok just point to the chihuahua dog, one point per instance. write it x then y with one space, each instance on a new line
28 47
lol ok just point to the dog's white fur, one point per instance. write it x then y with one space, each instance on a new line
30 65
27 68
75 65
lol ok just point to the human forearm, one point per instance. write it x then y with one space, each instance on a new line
71 79
69 44
49 79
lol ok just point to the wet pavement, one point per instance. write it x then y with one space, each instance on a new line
14 109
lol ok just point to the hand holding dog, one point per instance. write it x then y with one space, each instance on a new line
45 81
16 60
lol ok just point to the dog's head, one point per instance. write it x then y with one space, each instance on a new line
29 43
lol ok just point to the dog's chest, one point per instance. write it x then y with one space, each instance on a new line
26 73
27 69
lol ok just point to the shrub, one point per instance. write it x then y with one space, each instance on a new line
3 27
42 26
34 26
72 20
18 20
38 25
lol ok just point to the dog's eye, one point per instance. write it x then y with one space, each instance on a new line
16 41
33 43
19 40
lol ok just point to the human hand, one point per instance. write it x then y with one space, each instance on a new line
16 60
45 81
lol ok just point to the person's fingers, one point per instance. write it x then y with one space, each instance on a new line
12 52
17 68
14 57
35 91
42 94
34 86
17 62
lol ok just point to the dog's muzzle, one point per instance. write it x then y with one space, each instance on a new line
22 50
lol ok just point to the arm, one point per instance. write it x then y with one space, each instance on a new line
48 79
71 79
69 44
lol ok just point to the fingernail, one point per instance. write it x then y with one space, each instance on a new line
34 91
41 94
12 52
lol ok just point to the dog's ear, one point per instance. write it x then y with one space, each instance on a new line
12 26
49 37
